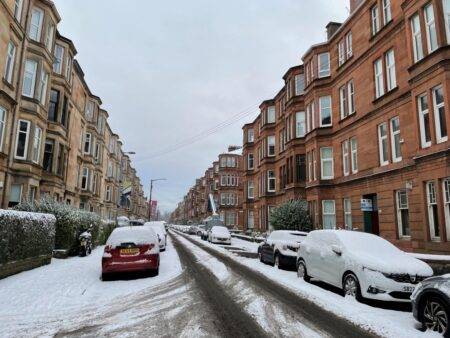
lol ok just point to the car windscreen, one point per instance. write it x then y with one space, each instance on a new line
362 242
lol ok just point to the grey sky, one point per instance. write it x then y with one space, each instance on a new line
168 70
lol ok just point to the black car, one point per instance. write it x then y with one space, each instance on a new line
431 304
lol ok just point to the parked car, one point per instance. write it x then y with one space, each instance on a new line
219 234
200 230
280 248
136 222
361 264
131 249
160 231
193 229
431 304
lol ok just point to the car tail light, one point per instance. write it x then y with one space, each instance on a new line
107 253
147 249
108 248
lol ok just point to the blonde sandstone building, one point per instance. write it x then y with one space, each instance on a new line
55 139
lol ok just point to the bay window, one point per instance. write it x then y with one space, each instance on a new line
343 101
327 163
324 64
300 129
18 4
53 106
250 162
34 32
59 56
37 144
47 164
439 115
299 84
2 126
325 111
433 218
271 114
271 181
250 190
328 214
271 145
85 179
10 60
29 78
424 121
395 140
49 36
250 136
87 143
43 83
402 213
345 158
446 190
349 43
23 132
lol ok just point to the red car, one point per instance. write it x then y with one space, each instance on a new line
130 249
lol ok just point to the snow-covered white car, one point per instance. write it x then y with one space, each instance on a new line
280 248
361 264
161 232
219 234
131 249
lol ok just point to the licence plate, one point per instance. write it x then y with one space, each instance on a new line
408 289
129 251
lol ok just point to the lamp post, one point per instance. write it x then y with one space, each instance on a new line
150 202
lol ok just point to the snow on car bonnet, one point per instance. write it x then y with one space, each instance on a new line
136 235
376 253
220 230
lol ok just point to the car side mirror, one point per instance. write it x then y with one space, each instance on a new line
336 249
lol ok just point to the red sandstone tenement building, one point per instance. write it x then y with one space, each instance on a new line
360 129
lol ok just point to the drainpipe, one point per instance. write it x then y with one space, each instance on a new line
15 112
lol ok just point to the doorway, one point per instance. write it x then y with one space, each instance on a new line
369 206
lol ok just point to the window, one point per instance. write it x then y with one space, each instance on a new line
270 145
250 136
43 87
250 220
271 114
15 196
300 128
32 192
61 160
433 218
395 140
343 101
271 181
446 9
250 190
446 190
354 154
29 78
424 121
345 158
59 56
64 117
379 84
37 17
37 144
48 155
53 106
23 132
402 213
250 162
2 126
69 63
349 42
89 113
390 70
439 115
18 4
300 168
299 84
375 20
430 28
49 36
383 143
85 178
325 111
10 59
108 193
324 64
351 97
87 143
223 180
341 53
417 38
387 15
326 161
270 210
328 214
348 214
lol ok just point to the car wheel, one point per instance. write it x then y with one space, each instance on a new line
351 286
435 316
302 272
105 277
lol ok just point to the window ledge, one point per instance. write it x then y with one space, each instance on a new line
382 29
378 99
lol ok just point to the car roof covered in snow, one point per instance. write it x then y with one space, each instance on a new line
220 229
136 235
293 235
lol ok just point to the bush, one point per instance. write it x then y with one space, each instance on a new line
25 235
292 215
105 230
70 222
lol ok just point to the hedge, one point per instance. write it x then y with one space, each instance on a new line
25 235
70 222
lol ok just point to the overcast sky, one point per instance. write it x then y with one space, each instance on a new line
169 70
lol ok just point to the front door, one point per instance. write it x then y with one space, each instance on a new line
370 213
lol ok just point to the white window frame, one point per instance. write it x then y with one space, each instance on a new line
299 84
446 10
349 44
351 97
379 80
375 19
27 138
49 36
348 221
38 26
37 141
399 216
431 202
271 177
271 143
342 101
18 5
439 137
85 174
354 155
422 114
395 137
322 107
30 74
300 124
390 70
250 190
416 38
383 143
341 52
87 140
446 192
430 28
250 159
271 114
323 66
333 214
43 86
10 62
345 158
387 14
250 135
2 126
59 57
325 161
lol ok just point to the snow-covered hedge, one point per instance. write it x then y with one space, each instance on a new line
70 222
25 235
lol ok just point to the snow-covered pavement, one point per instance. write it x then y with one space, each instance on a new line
382 321
58 296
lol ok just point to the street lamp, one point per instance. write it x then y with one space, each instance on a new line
151 190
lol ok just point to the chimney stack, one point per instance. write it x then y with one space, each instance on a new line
332 27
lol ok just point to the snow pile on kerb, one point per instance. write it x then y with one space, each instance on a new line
25 234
